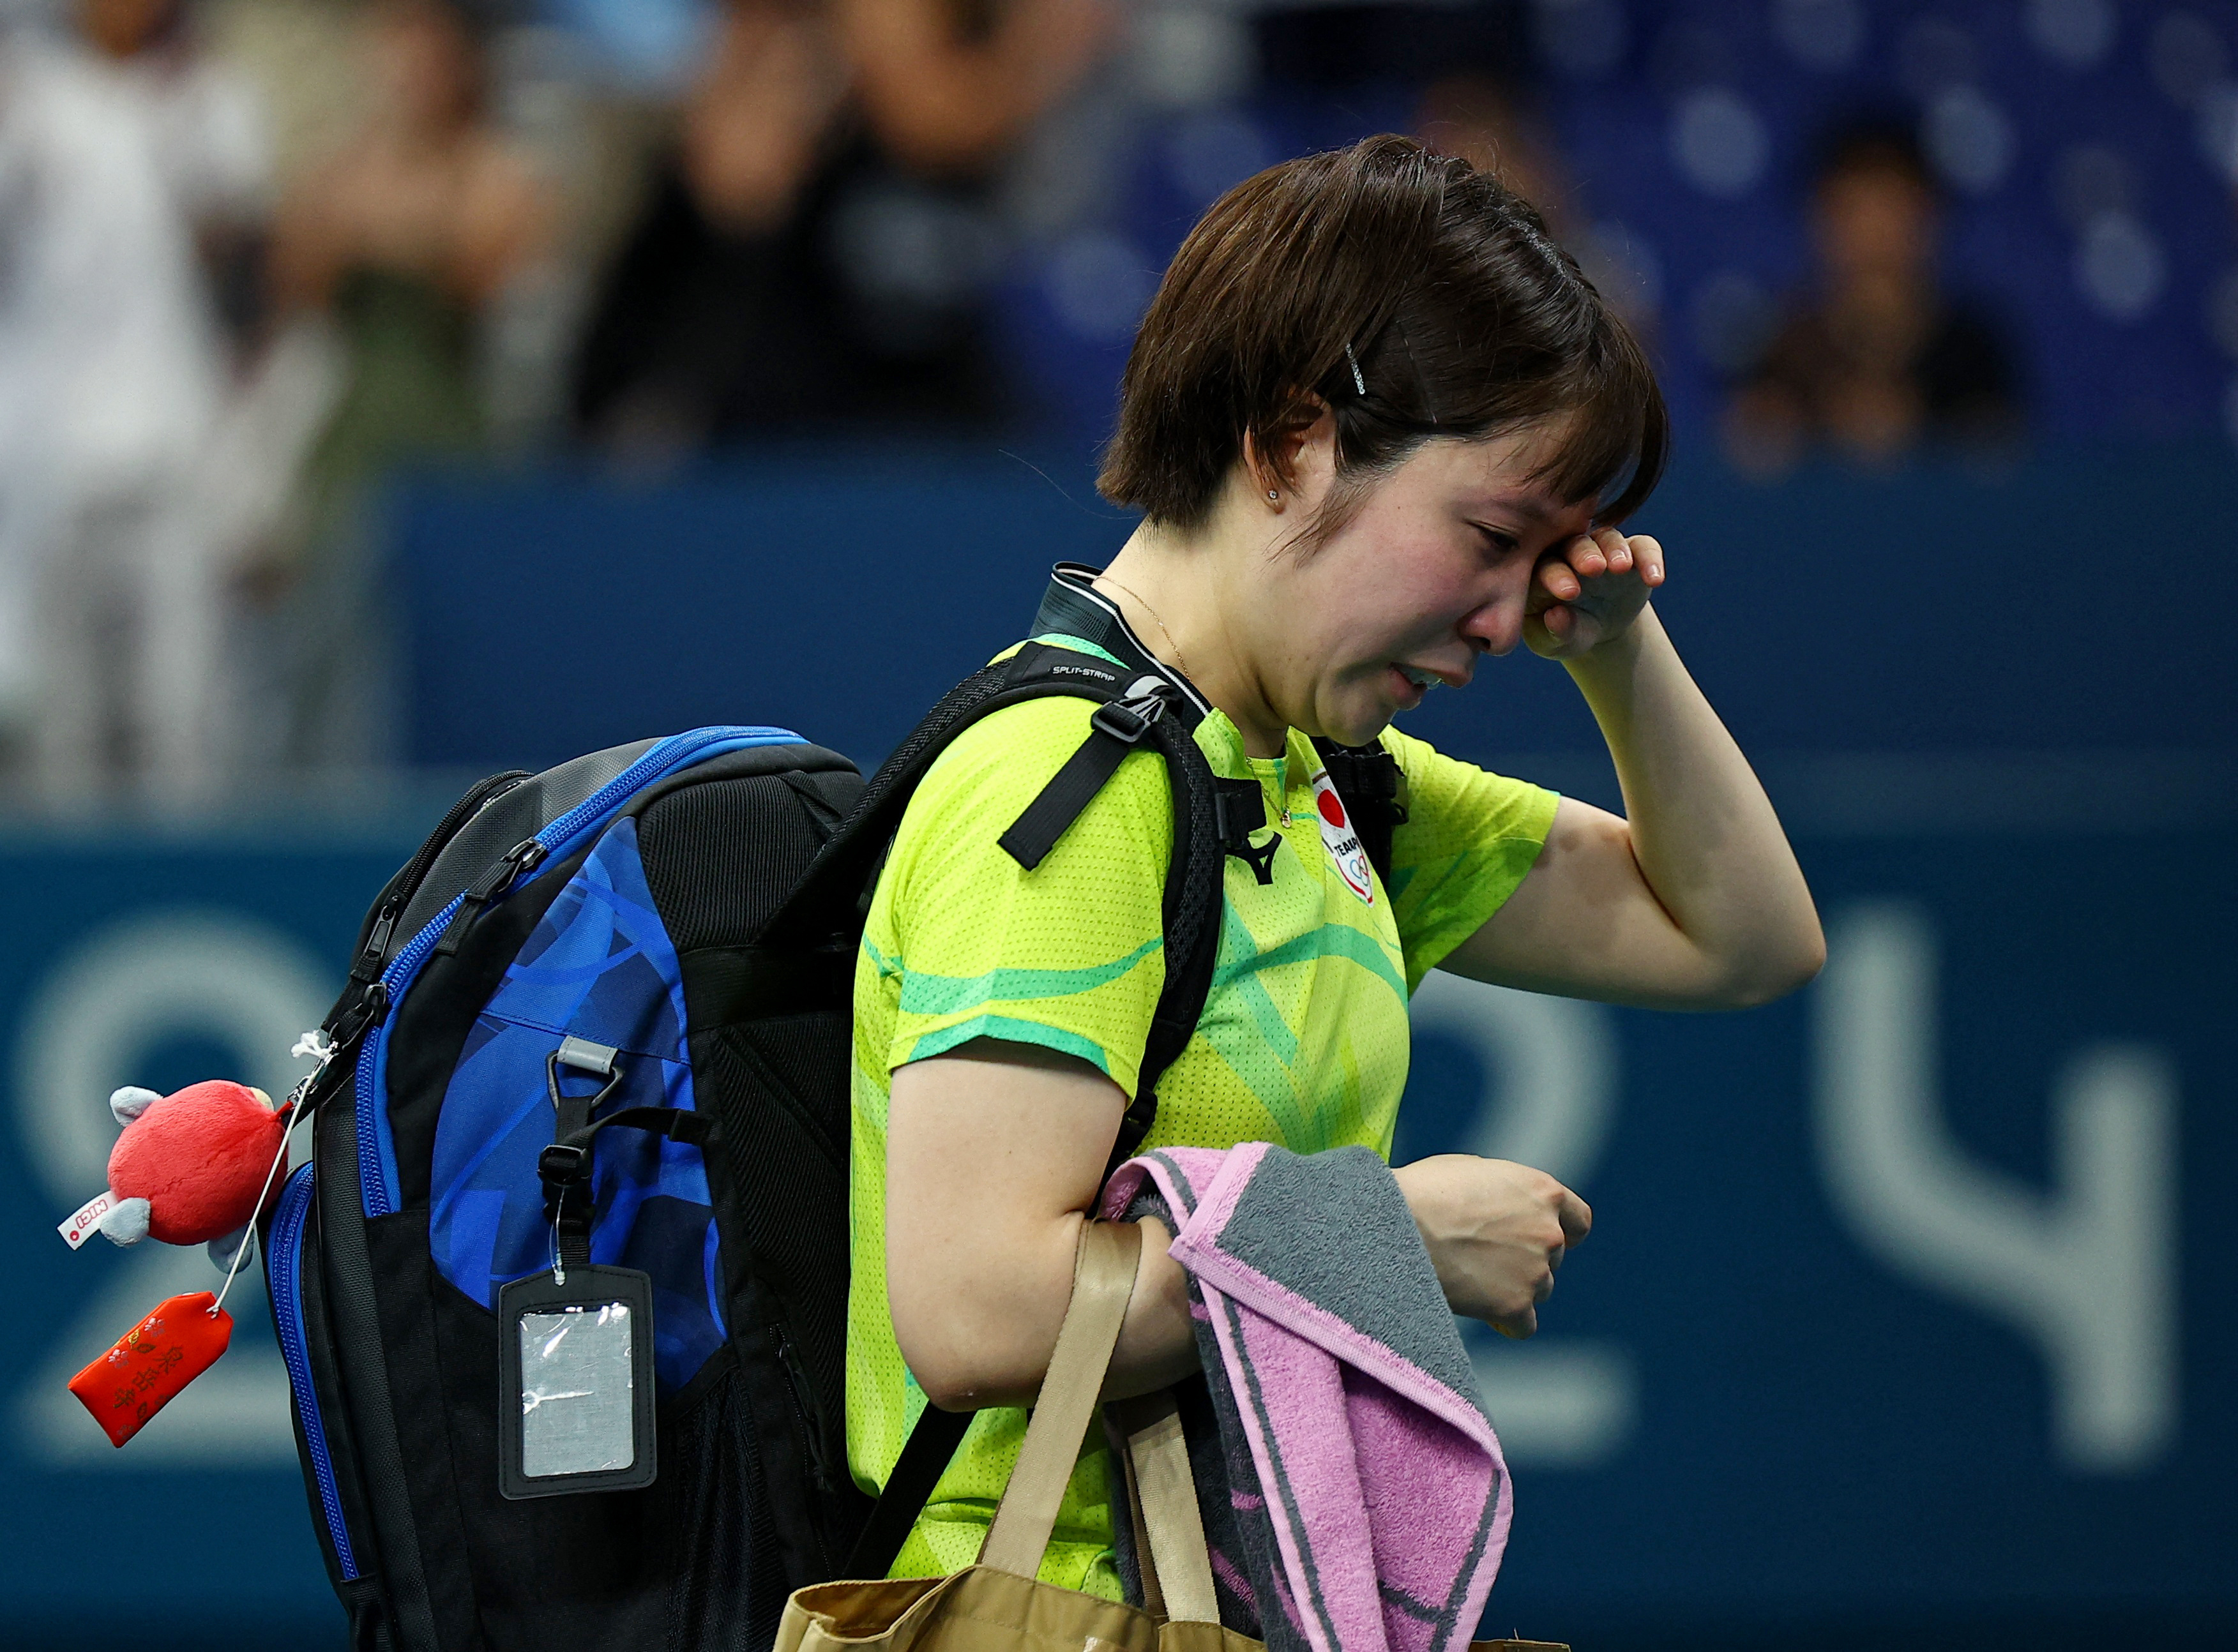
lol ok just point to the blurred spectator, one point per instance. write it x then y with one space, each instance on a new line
1491 121
820 244
126 156
1484 100
401 240
1472 66
1877 358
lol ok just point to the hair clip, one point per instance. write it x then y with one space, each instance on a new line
1359 381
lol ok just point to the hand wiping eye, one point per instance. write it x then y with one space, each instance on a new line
1589 590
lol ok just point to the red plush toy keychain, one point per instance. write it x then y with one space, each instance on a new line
195 1167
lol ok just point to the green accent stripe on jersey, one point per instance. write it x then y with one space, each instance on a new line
1330 940
929 994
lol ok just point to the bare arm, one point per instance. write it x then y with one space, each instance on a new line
1693 899
753 125
502 220
993 1157
943 103
310 242
469 219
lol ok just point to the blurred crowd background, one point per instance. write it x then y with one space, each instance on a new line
258 256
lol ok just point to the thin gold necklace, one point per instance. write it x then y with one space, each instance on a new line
1179 663
1281 803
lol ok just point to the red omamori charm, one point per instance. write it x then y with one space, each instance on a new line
149 1364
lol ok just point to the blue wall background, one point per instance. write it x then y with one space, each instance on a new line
2061 604
1868 1336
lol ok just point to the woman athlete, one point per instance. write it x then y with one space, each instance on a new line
1380 428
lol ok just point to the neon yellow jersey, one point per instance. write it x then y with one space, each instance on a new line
1303 1041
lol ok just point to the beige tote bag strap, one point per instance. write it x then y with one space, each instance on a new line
1102 1279
1122 1464
1170 1545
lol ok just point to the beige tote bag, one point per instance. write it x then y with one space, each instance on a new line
996 1605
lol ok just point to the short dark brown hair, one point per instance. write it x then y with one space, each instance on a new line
1385 266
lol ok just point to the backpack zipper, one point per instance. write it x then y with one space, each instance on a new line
555 840
796 1386
286 1268
522 858
406 884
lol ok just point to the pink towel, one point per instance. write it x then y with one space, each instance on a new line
1365 1487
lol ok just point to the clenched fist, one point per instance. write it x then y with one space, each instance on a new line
1496 1231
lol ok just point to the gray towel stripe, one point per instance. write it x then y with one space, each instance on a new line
1181 1180
1393 1595
1281 1478
1451 1616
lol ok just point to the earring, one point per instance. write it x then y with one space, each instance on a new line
1273 495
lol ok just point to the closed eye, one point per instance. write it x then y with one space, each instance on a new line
1500 542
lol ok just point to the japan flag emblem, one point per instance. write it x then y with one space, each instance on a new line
1341 840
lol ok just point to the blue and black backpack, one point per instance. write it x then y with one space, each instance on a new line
604 1014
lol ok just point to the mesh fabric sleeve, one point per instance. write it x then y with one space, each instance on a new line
1470 839
1069 957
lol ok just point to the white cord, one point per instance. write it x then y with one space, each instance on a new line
248 1237
320 1048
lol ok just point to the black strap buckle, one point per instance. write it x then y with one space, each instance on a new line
1116 728
562 1163
1128 721
565 1170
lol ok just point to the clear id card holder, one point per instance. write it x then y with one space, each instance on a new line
575 1382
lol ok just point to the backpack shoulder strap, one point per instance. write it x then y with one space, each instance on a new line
1130 709
833 896
1192 910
